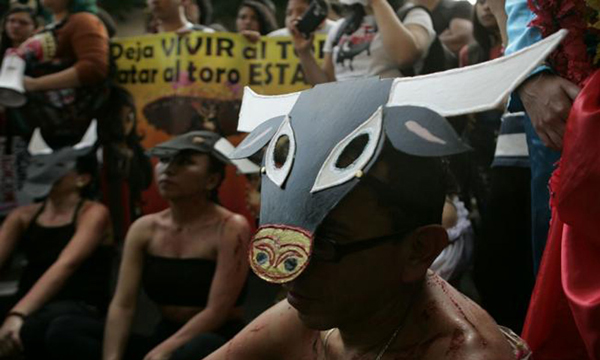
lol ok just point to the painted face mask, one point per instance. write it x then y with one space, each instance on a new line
48 166
308 167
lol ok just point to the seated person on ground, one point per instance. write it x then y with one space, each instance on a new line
189 259
67 242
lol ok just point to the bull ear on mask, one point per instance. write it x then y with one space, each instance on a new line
259 137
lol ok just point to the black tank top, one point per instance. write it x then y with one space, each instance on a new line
180 282
42 245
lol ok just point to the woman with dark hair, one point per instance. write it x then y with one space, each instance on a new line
127 171
473 170
255 18
18 25
66 240
486 33
189 259
199 11
499 179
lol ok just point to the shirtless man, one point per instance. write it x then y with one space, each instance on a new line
352 193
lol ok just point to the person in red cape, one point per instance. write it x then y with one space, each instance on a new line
563 321
563 318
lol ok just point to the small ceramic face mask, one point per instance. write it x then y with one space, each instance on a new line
321 142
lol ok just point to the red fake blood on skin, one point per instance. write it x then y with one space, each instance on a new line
257 328
317 344
416 351
239 246
430 310
444 288
456 344
229 350
460 310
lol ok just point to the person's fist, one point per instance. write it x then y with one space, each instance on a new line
547 99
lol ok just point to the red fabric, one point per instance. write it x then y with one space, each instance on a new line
572 59
563 321
496 51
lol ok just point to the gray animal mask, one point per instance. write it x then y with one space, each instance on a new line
47 166
308 133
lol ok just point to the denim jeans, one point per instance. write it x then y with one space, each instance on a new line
543 161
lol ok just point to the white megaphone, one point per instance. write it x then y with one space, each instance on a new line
39 48
12 91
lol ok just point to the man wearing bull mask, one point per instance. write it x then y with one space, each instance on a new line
352 196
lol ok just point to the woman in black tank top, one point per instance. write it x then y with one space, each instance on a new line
66 241
190 259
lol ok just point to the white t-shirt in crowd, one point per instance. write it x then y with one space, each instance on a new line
323 29
362 53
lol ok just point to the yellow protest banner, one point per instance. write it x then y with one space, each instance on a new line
195 82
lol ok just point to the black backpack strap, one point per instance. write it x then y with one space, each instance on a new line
350 24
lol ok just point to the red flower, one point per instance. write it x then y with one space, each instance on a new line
572 59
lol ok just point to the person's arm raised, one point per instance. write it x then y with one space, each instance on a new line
314 73
123 305
229 279
403 43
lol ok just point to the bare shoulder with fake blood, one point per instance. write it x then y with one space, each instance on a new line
143 229
448 325
277 334
233 222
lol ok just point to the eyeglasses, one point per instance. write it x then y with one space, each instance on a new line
329 250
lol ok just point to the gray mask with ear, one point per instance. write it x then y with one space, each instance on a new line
308 167
47 165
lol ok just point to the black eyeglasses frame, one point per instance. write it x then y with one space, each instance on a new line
342 250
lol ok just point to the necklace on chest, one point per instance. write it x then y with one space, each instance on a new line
379 354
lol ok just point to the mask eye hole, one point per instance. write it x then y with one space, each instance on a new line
351 155
282 151
352 151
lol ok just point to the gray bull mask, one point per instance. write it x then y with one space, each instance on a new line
47 165
306 134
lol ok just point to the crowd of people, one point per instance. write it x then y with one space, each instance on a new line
374 239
